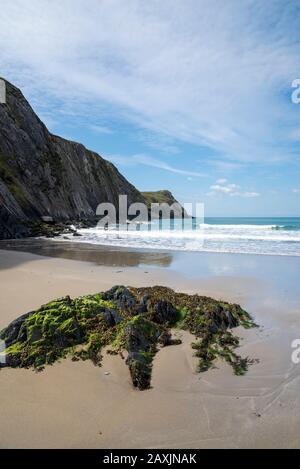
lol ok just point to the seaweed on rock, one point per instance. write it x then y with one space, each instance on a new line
133 320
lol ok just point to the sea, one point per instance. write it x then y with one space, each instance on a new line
262 236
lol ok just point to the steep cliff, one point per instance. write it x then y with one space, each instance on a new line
45 175
42 175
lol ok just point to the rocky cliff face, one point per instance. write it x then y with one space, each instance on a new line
44 175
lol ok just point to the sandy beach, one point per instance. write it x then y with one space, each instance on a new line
149 227
77 405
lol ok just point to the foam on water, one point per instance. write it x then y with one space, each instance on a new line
251 238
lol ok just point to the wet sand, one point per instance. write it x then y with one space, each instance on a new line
73 405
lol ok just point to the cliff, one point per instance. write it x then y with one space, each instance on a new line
42 175
164 197
45 175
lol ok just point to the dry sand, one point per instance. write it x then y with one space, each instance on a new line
76 405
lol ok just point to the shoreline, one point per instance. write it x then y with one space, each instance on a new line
40 244
77 405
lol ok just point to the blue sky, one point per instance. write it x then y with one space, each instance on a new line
193 96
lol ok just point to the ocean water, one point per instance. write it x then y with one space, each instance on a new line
265 236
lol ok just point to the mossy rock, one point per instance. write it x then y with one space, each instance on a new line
133 320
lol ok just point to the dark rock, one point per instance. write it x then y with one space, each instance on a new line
116 316
230 321
112 317
35 335
141 339
121 296
163 312
12 332
142 308
137 320
219 318
140 371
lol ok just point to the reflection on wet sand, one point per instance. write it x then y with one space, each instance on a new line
100 255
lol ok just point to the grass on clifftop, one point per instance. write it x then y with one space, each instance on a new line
158 197
134 321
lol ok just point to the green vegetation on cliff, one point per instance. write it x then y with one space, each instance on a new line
164 197
159 197
8 176
133 320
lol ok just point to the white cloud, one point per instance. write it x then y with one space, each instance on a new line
233 190
250 194
154 162
146 160
230 189
101 129
296 191
198 71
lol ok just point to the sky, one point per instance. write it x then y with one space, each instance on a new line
193 96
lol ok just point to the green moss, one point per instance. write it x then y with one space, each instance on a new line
182 314
82 327
14 348
148 357
148 328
